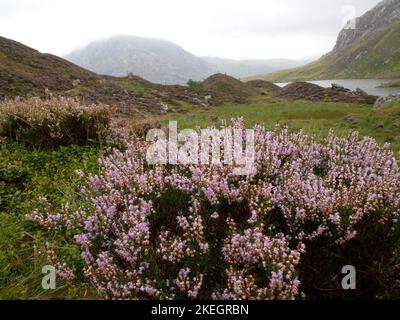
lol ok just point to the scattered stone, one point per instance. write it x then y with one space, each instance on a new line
164 106
352 118
379 125
387 101
339 88
360 92
76 83
207 98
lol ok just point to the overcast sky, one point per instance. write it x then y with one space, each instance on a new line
293 29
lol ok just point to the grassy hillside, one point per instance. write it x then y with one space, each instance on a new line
374 56
25 70
28 72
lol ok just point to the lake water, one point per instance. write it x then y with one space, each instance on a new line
371 86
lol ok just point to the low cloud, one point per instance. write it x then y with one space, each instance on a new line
229 28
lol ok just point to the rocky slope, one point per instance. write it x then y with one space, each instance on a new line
384 14
372 50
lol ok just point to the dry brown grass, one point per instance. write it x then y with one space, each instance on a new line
55 121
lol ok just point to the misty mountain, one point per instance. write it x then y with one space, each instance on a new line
246 68
164 62
155 60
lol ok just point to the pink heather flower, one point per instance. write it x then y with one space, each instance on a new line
335 218
253 218
80 173
351 235
215 215
142 223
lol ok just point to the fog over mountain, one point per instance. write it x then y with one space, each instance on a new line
162 61
155 60
246 68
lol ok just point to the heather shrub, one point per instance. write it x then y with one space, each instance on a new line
139 127
285 230
54 122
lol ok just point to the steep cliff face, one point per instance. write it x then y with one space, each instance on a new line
381 16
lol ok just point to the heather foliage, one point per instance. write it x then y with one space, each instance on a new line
54 122
185 232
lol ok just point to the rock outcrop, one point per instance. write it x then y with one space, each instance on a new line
387 101
312 92
382 15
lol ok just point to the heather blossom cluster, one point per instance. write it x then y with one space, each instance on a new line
254 249
183 231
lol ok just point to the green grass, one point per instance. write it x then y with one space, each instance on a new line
25 175
131 85
394 84
313 117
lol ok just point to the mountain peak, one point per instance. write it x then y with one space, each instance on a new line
156 60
